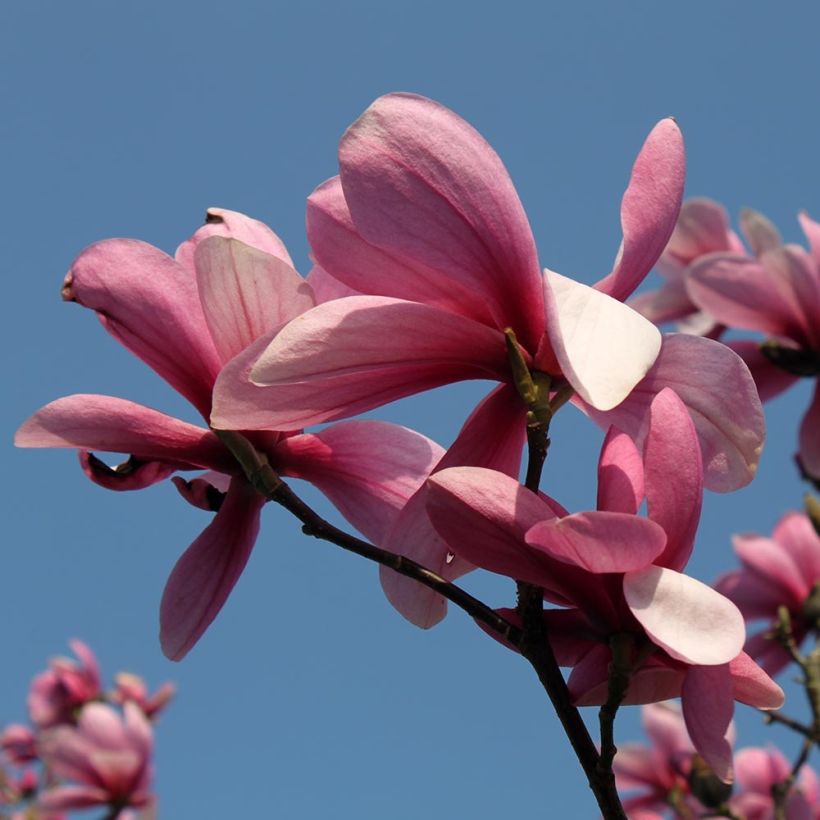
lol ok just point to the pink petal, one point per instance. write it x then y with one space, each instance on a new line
66 798
674 477
246 293
368 469
220 222
756 597
708 706
670 302
688 619
751 685
767 652
131 474
206 491
649 208
326 287
620 474
364 268
635 767
664 725
600 541
492 437
768 560
795 533
812 231
423 184
770 380
604 347
760 769
717 389
351 355
119 426
810 436
759 230
150 304
207 571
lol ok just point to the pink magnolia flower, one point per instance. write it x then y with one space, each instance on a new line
783 570
57 694
19 744
106 756
619 576
662 771
425 223
132 688
188 317
778 294
758 771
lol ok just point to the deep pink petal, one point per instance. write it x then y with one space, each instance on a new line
246 293
422 183
688 619
603 347
351 355
620 474
150 304
770 380
717 389
207 571
674 477
752 686
326 287
767 559
649 208
708 706
206 491
368 469
367 268
131 474
91 422
220 222
810 436
600 542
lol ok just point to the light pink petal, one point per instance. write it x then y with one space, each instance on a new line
119 426
246 293
794 531
717 389
368 268
102 726
667 304
150 304
708 706
810 436
66 798
207 571
368 469
674 476
138 729
221 222
620 474
770 380
760 769
649 208
812 231
691 621
493 437
752 686
88 660
604 348
767 559
665 727
763 236
131 474
600 542
351 355
326 287
423 184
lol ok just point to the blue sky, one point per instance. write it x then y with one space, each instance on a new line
309 697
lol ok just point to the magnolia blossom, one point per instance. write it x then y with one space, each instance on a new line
778 294
188 317
783 570
618 576
425 224
130 687
106 756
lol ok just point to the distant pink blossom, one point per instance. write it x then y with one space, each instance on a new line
131 688
58 693
19 744
783 570
229 287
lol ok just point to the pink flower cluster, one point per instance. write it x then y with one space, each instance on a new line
85 748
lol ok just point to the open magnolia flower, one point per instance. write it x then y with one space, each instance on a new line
425 224
187 317
618 576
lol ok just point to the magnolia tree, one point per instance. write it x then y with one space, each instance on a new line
426 273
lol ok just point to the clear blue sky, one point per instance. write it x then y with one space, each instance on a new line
310 698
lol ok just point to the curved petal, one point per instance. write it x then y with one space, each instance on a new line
208 570
649 208
150 304
810 437
674 477
665 727
423 183
221 222
754 596
350 355
770 380
620 474
688 619
708 706
796 534
131 474
206 491
760 231
717 389
667 304
604 348
67 798
90 422
768 560
751 685
600 542
246 293
326 287
344 254
812 231
767 652
368 469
